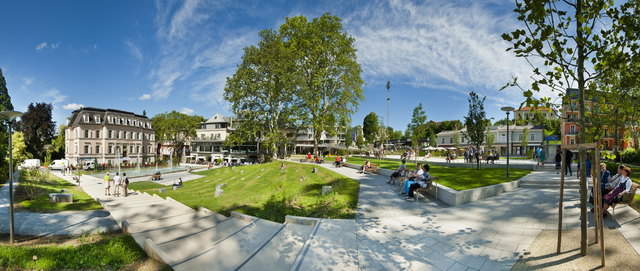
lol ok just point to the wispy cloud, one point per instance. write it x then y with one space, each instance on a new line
446 43
41 46
186 110
189 57
72 106
54 96
145 96
26 83
133 49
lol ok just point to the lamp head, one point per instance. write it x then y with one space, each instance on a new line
507 109
10 115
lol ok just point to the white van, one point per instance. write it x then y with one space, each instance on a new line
88 164
29 163
59 164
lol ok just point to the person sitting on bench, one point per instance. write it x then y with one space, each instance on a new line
624 187
399 173
178 183
366 166
423 181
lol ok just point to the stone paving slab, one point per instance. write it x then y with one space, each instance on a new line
281 251
333 247
162 234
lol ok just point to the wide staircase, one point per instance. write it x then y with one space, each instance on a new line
188 239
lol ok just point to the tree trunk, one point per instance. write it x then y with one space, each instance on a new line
581 135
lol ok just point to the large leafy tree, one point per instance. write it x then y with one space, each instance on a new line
328 74
38 128
174 128
262 93
5 105
490 139
19 148
370 127
476 121
578 41
56 150
416 129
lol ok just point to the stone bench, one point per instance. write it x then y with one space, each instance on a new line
61 197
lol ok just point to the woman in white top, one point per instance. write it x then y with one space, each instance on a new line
624 187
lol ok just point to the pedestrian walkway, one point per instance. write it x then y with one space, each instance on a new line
61 223
389 232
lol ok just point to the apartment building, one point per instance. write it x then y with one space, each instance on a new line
536 138
525 114
109 136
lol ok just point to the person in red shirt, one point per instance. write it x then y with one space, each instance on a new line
308 156
338 160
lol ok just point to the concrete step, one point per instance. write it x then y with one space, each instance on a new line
189 245
169 221
230 252
554 186
163 232
148 212
331 246
280 252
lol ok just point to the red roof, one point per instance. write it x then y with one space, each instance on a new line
528 108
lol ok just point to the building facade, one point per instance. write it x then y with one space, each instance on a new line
526 114
208 145
109 136
571 115
536 138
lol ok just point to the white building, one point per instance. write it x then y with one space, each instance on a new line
536 138
208 145
107 135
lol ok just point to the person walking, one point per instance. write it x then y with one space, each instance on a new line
107 184
568 158
558 160
126 184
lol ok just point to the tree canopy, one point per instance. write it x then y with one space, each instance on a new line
5 105
476 121
370 127
38 128
174 128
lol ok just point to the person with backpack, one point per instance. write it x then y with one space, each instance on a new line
126 184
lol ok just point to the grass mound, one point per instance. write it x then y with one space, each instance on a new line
267 192
33 193
457 178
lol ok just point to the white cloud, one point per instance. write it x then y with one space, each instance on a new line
450 44
186 110
145 96
54 96
72 106
55 45
41 46
134 50
26 83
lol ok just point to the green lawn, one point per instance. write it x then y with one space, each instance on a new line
33 194
267 192
92 252
457 178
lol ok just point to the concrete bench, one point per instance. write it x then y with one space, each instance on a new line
61 197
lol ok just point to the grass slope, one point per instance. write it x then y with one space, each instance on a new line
457 178
267 192
91 252
33 194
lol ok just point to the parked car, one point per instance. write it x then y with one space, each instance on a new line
88 165
29 163
59 164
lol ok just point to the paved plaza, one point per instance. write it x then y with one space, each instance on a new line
389 232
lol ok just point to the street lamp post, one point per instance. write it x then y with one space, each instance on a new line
10 115
508 109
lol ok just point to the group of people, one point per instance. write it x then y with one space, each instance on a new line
614 188
112 186
410 181
470 154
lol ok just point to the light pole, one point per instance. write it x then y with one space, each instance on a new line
10 115
508 109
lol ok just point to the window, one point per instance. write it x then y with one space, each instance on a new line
462 139
532 137
98 149
86 149
572 130
85 118
110 149
98 119
137 149
110 134
86 133
519 137
573 142
451 140
97 133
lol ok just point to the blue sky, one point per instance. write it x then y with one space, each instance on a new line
175 55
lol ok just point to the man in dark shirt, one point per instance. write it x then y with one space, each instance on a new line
569 157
